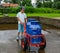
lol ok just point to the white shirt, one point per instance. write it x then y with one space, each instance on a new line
21 16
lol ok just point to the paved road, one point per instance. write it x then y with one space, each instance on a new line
8 43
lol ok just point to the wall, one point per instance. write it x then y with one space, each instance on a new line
11 20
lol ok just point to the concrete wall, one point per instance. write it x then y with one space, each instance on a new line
53 22
10 20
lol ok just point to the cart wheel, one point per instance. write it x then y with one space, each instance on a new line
17 40
25 44
28 48
43 47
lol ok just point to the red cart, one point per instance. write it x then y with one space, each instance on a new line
27 41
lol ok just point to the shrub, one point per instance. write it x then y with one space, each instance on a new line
13 10
56 11
29 10
1 10
4 10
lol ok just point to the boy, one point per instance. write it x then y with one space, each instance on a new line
21 17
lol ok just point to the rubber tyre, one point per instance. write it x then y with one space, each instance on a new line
25 44
43 47
28 47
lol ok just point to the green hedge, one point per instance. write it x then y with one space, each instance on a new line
29 10
41 10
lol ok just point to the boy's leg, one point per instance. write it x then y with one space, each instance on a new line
18 36
22 30
18 32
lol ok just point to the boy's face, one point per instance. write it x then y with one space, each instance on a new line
22 10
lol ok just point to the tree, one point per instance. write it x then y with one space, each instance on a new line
43 3
14 1
38 3
24 2
47 4
56 0
56 4
7 0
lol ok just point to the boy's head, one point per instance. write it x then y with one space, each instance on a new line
22 9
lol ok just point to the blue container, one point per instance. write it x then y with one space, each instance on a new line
33 27
30 19
35 23
33 31
36 40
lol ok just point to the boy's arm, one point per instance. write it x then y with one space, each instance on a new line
19 20
26 20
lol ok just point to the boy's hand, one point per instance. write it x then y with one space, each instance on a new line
25 20
21 23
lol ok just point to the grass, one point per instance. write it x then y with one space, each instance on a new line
49 15
12 15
